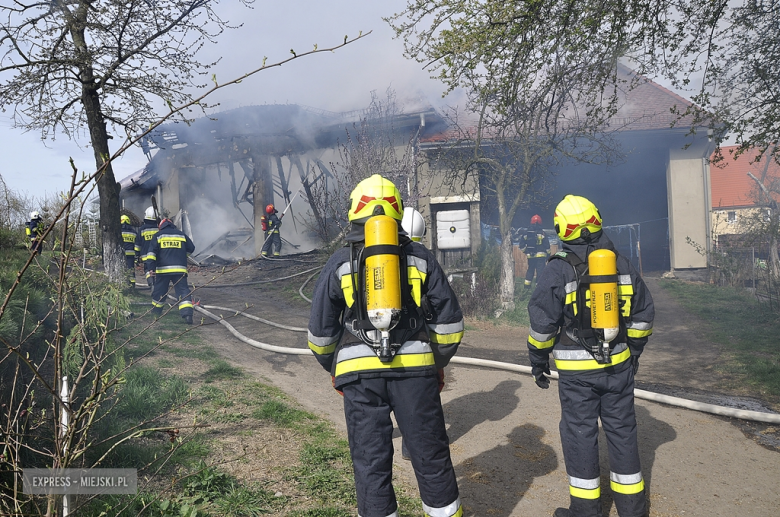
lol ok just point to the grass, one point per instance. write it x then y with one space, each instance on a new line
196 474
746 329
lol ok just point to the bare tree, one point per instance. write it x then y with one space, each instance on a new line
77 66
374 145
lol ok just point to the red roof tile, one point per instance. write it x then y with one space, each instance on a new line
730 185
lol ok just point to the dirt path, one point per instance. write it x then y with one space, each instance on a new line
504 430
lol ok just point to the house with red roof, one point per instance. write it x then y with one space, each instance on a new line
738 202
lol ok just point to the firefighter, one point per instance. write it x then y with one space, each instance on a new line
167 257
131 247
596 363
34 230
536 247
380 371
273 241
144 238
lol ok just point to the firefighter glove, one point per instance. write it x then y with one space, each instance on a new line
150 279
635 363
538 371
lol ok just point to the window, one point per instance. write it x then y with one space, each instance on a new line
731 217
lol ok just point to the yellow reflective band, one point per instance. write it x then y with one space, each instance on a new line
170 269
185 305
416 280
446 339
638 333
373 363
583 493
591 364
634 488
541 345
157 304
322 350
346 287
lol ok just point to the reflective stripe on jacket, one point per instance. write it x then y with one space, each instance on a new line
144 238
168 250
431 344
129 238
554 302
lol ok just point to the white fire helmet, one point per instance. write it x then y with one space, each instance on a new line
34 215
149 214
413 223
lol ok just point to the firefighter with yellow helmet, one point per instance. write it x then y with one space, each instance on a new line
592 310
130 246
384 322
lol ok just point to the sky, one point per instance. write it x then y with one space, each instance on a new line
338 81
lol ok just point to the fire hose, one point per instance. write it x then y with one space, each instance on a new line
744 414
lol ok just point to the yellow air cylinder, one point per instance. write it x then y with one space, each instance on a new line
383 273
604 306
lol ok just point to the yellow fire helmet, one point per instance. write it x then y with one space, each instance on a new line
124 219
575 214
373 192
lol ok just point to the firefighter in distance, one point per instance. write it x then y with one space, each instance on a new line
131 247
536 247
34 230
586 283
167 257
271 223
148 229
384 323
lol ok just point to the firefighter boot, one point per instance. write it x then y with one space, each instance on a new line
157 312
188 319
562 512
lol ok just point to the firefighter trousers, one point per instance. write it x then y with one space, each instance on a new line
535 265
417 407
182 290
130 264
272 244
586 397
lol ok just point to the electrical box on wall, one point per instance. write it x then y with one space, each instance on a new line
453 230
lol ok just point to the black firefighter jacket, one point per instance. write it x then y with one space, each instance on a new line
427 348
145 234
168 250
553 303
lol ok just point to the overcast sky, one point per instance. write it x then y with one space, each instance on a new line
339 81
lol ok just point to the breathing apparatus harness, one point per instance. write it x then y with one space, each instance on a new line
404 322
585 329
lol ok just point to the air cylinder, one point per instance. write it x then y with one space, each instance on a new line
383 272
604 302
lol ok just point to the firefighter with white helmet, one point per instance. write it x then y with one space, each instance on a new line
130 246
384 322
34 230
592 310
149 227
271 225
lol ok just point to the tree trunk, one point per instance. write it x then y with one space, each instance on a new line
108 190
507 281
